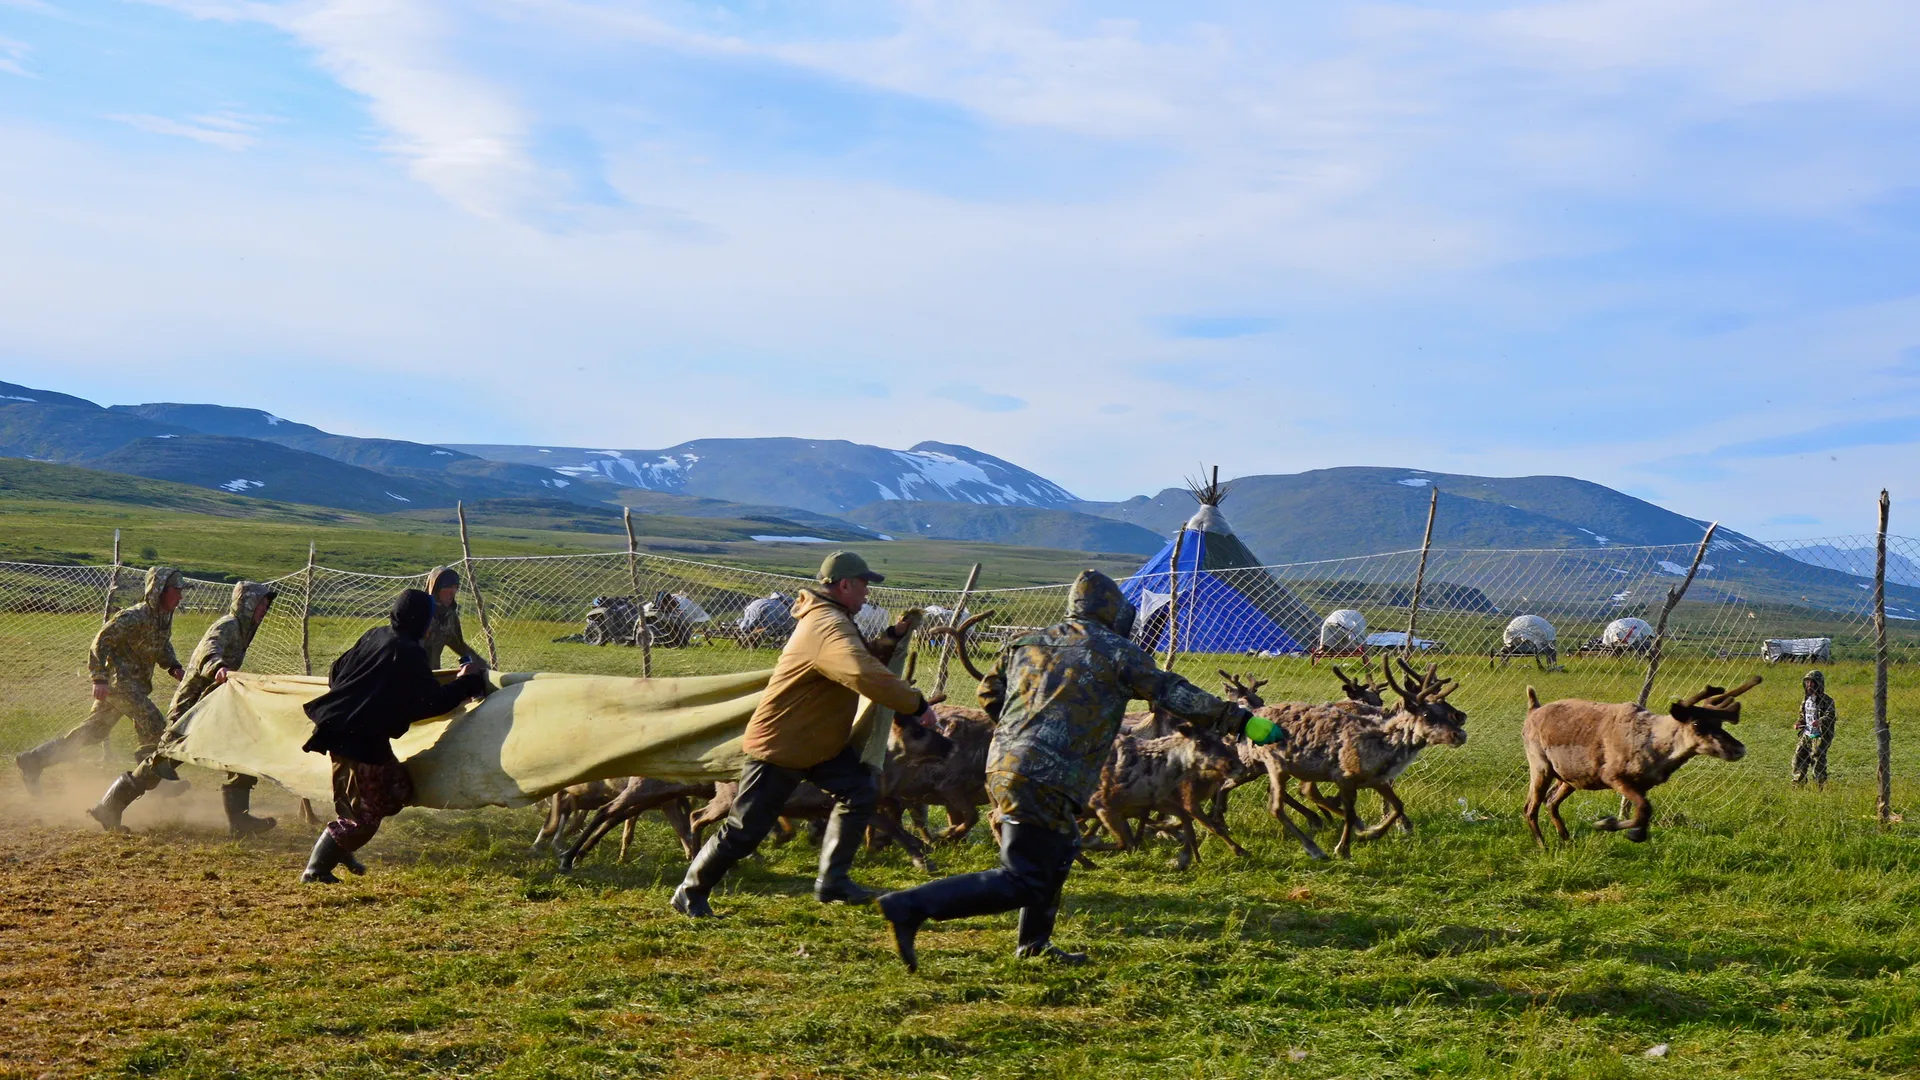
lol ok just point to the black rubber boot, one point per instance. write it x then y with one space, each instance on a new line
703 873
1036 920
900 912
326 855
30 765
242 824
845 830
115 802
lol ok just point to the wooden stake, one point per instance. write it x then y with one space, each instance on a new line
1882 737
306 613
113 581
473 583
1673 597
946 643
640 634
1420 576
1173 599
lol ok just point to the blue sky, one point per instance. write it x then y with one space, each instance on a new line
1667 245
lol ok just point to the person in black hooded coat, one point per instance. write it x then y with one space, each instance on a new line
375 691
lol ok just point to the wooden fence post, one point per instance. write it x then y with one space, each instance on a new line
306 614
1173 599
113 581
1673 597
1419 578
1882 737
640 633
959 613
479 602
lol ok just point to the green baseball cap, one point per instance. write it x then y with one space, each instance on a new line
842 565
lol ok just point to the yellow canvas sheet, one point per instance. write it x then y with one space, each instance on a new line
534 735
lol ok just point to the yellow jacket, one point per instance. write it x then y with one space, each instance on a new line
807 712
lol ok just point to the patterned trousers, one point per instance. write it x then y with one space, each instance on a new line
148 725
364 795
1810 752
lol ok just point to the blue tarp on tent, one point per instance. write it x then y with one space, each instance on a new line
1214 614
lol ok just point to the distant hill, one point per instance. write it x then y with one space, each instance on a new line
827 476
1028 526
557 515
272 471
1857 562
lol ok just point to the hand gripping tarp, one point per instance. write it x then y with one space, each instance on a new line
530 738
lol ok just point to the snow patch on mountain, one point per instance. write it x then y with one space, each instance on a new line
937 476
668 472
240 485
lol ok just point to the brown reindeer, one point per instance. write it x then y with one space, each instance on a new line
1175 775
1352 746
957 783
567 810
639 796
1574 745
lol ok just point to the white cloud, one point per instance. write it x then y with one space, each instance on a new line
224 130
13 57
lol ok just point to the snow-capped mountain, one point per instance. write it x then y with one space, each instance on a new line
824 475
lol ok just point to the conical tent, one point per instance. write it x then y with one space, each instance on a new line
1226 602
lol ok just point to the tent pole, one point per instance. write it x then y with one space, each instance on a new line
640 602
1420 576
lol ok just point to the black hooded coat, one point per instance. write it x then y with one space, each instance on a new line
381 686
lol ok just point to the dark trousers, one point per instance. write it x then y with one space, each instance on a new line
1034 864
364 795
764 789
1811 752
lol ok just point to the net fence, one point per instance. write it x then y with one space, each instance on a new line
1570 623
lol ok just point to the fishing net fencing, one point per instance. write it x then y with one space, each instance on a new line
1569 623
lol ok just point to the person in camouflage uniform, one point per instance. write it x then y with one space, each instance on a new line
121 661
1058 696
443 584
1815 728
222 649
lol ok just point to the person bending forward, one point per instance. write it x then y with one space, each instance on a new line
222 649
121 661
375 691
1058 695
799 732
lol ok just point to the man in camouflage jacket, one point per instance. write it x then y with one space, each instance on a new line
443 584
222 649
1815 728
1058 696
121 661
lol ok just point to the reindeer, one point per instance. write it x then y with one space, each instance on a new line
1574 745
567 809
1353 746
639 796
957 783
1176 775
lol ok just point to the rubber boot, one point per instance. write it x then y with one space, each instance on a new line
905 918
1036 920
703 873
115 802
326 855
30 765
842 841
239 822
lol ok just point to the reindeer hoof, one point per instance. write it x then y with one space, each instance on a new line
1638 836
1607 824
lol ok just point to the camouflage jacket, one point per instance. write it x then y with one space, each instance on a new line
444 632
224 645
138 639
1059 695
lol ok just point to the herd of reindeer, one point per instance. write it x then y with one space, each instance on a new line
1165 775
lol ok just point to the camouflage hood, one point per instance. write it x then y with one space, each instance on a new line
433 583
247 596
1818 680
1097 599
159 580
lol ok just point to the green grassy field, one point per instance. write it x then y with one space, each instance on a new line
1764 931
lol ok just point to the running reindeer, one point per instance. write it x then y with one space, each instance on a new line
1575 745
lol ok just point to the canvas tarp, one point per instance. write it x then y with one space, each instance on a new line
533 736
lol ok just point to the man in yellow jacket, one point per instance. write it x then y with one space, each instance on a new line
800 731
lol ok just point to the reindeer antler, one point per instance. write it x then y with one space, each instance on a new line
1724 699
959 636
